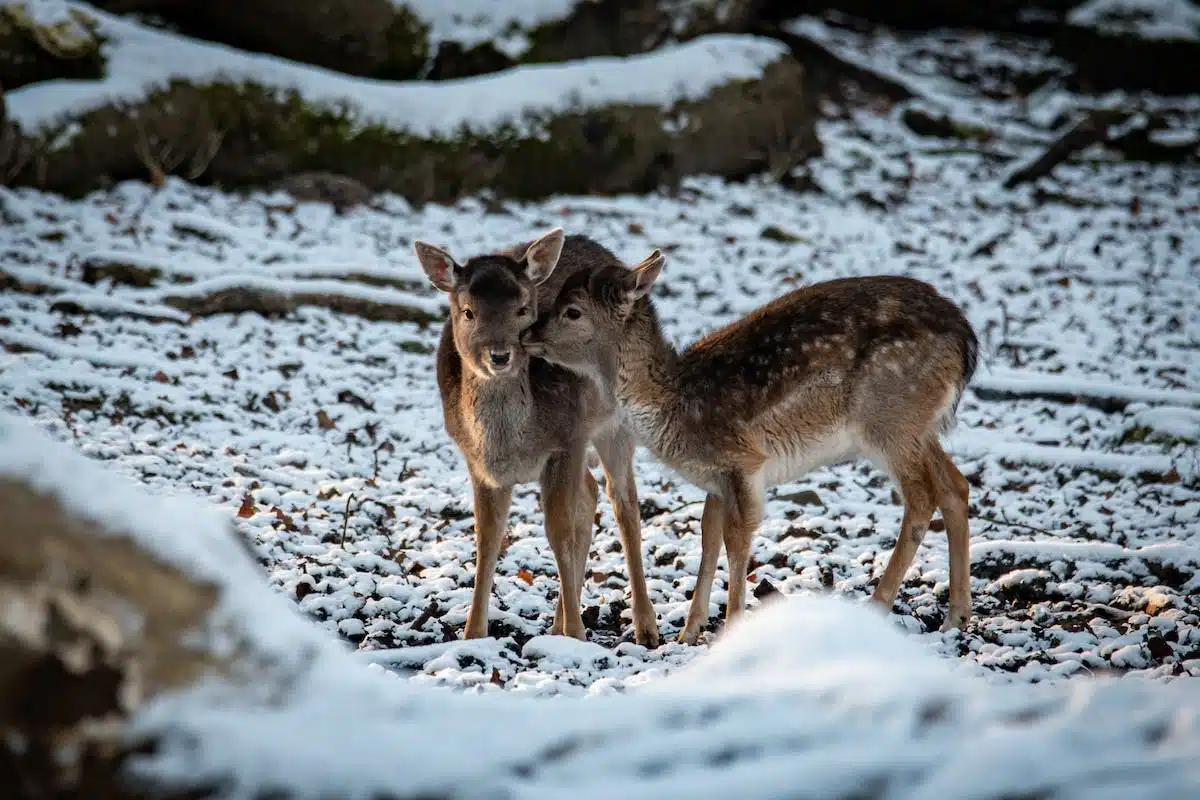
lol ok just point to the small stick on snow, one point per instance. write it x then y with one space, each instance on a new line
346 519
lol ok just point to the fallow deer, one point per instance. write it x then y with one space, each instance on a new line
518 420
871 366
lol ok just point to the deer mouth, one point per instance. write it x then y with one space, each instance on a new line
499 361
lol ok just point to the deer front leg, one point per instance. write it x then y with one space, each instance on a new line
562 484
491 514
616 451
712 535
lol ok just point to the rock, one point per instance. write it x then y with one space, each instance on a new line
807 497
93 628
34 49
245 135
370 38
325 187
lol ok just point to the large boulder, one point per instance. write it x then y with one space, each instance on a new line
397 41
372 38
245 134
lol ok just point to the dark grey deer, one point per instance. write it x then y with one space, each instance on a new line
519 420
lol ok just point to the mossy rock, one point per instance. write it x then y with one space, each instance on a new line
368 38
631 27
261 135
32 51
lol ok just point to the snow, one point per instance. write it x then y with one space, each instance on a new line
48 13
472 22
1078 436
142 59
227 406
815 691
1148 19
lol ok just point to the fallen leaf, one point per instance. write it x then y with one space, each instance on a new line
162 377
231 374
326 494
525 575
247 508
303 589
324 422
496 679
1172 477
285 519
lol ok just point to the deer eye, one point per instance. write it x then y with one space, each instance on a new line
468 313
572 313
522 311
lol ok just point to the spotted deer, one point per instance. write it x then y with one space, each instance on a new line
518 420
853 367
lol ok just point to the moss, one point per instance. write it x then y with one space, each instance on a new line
1142 434
265 134
30 52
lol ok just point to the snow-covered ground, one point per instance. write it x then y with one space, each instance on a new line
815 694
320 433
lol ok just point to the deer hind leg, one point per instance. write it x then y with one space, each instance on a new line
562 489
953 494
712 536
917 485
491 514
616 451
742 518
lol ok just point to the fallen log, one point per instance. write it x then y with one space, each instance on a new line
271 302
1091 128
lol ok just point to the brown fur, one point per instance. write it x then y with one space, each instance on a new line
846 368
517 419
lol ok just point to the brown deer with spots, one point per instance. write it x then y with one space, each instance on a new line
518 420
847 368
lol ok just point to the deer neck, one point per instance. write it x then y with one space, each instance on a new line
499 407
648 374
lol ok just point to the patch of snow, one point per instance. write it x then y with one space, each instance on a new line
48 13
1148 19
1174 137
142 59
472 22
1022 380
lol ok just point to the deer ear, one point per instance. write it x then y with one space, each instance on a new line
439 266
643 275
542 256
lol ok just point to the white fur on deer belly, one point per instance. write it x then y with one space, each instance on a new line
792 459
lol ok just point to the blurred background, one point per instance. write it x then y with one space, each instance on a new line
985 75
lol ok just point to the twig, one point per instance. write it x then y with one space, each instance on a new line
1005 521
346 519
1091 129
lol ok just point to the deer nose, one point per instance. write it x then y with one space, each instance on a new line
500 359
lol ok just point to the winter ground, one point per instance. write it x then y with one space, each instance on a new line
319 433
